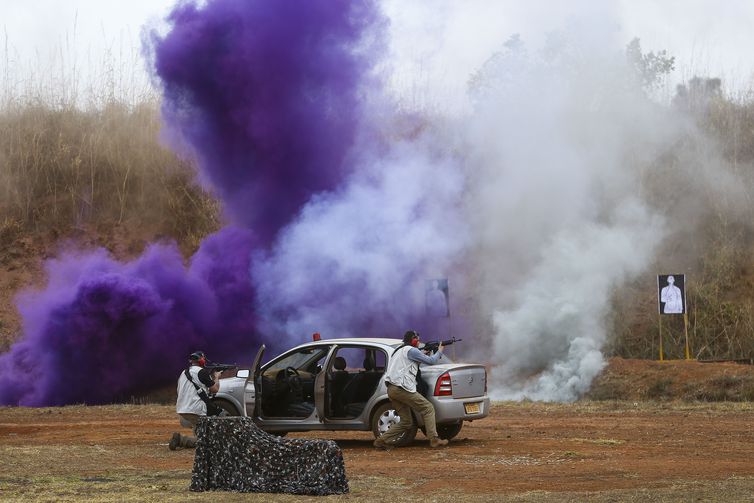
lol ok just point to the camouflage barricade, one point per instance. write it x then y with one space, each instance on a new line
233 454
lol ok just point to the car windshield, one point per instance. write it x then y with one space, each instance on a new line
301 359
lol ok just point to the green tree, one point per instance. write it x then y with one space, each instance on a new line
650 68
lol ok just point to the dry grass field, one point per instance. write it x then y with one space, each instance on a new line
665 449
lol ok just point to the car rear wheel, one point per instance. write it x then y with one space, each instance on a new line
384 417
448 431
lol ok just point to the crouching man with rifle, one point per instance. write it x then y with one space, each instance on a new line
195 385
401 381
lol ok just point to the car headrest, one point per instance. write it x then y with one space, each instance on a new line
369 363
339 363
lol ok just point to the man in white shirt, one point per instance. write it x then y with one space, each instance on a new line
190 405
400 379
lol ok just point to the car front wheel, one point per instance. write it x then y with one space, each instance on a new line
384 417
228 407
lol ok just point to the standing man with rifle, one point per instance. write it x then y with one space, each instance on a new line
400 379
195 384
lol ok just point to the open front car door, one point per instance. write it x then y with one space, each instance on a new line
250 398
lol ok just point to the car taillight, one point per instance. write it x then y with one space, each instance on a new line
443 386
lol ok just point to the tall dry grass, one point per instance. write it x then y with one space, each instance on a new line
79 147
65 169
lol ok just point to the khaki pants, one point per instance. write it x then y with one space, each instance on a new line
187 440
404 402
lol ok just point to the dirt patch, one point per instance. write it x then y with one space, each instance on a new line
527 451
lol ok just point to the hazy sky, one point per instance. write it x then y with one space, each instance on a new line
431 38
52 44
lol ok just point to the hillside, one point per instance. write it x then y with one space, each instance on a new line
631 379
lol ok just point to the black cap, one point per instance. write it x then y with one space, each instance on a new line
197 355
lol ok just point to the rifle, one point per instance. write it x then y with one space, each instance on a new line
219 367
433 346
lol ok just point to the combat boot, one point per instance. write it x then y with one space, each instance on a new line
381 444
188 442
175 441
437 442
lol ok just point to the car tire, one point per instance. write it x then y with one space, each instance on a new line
448 431
227 407
384 416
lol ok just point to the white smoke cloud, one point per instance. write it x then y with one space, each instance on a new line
556 330
558 141
534 200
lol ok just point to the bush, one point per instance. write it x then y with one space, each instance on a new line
660 389
722 389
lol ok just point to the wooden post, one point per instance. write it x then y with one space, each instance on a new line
659 318
686 331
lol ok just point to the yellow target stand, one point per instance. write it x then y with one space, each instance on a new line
686 333
687 348
661 299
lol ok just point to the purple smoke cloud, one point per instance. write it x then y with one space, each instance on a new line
268 96
103 330
268 93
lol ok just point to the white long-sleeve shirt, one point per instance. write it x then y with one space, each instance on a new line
404 364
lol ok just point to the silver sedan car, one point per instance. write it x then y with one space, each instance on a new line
338 384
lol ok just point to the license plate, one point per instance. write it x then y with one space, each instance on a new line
472 408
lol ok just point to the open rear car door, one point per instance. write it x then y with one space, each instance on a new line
252 397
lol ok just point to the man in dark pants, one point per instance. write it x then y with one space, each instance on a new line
400 379
190 405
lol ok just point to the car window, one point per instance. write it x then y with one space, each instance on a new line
358 358
354 357
379 360
307 359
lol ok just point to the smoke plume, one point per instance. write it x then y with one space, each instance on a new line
530 197
103 330
355 262
267 96
559 140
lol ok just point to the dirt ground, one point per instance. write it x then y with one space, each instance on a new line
587 451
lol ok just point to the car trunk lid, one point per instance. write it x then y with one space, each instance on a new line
467 380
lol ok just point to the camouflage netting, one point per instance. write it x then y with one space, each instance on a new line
233 454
